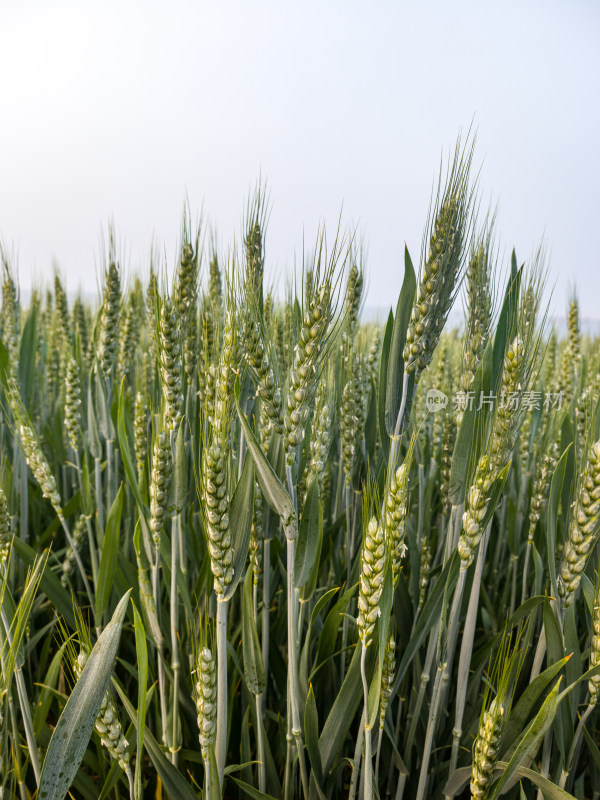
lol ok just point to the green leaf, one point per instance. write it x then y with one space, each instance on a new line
529 744
552 516
130 470
110 553
179 484
521 710
240 523
344 709
395 370
310 536
592 747
16 619
141 651
274 491
49 583
331 626
470 432
4 362
145 590
45 699
27 360
429 615
311 733
74 728
93 431
214 785
563 728
507 325
254 670
250 790
383 372
383 627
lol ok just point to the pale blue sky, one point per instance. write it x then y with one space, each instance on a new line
117 108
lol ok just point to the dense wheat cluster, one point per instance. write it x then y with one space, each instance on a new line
254 546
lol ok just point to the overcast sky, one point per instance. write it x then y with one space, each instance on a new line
117 109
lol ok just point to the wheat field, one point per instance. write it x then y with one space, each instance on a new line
252 546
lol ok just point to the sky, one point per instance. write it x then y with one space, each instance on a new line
121 110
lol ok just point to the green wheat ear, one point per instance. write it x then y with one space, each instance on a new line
584 527
109 319
371 580
5 531
494 713
443 266
205 694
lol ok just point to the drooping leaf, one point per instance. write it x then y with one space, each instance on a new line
240 520
141 651
74 727
254 670
310 536
274 491
110 553
529 744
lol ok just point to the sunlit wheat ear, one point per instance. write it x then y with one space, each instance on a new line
353 300
170 364
371 580
73 404
5 531
186 302
62 313
267 389
396 509
485 749
502 441
304 370
205 696
348 426
584 527
215 483
256 536
109 319
128 336
37 463
479 287
549 370
11 319
152 295
321 435
448 441
254 263
216 499
140 432
494 714
361 396
186 282
425 559
441 269
574 334
206 345
374 354
108 724
160 478
79 323
68 565
440 379
215 288
545 467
